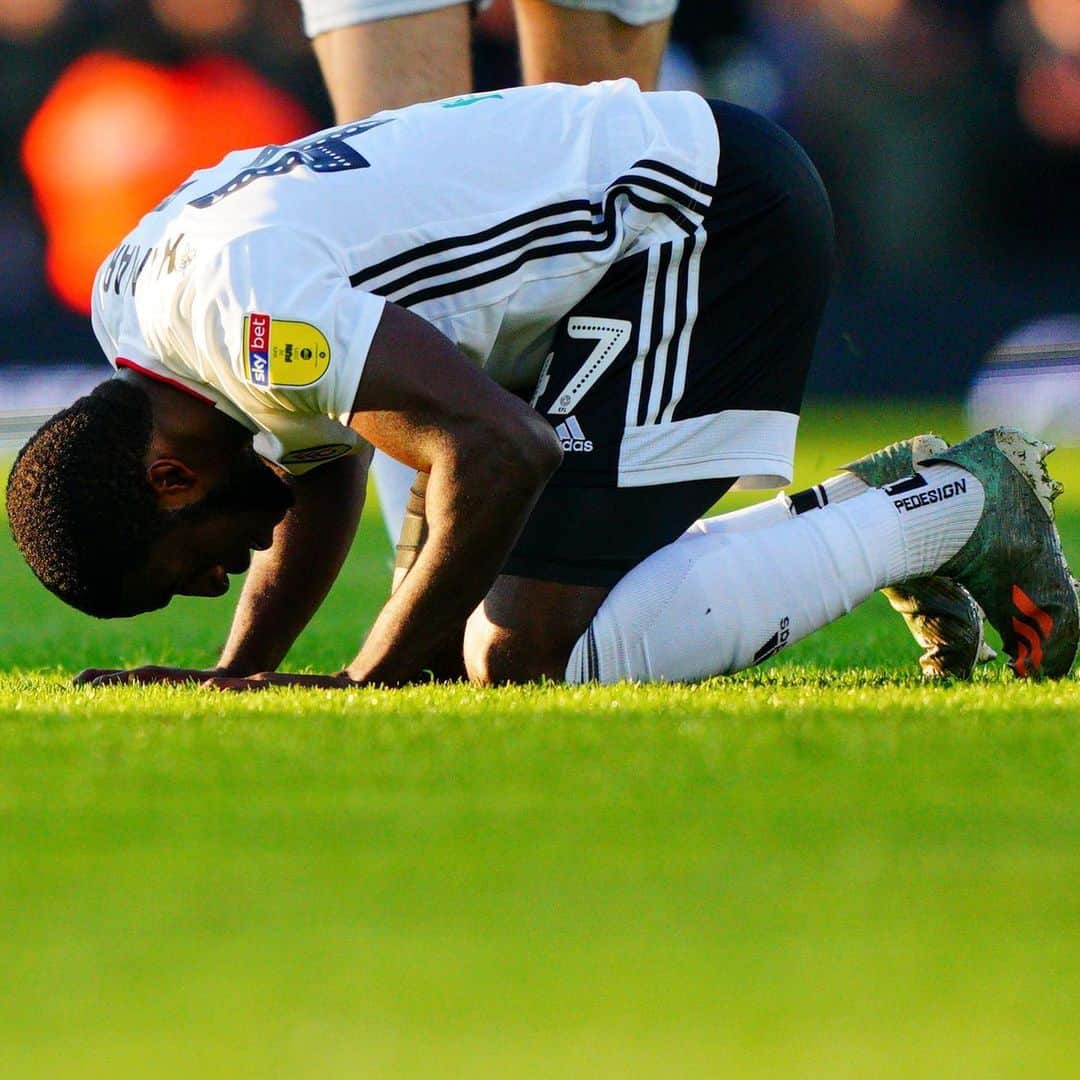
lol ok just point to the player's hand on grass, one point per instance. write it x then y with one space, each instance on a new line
271 678
215 679
143 676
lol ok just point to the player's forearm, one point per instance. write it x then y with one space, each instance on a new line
274 607
287 583
476 510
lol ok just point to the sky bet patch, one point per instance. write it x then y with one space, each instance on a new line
279 352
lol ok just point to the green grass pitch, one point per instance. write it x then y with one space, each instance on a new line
821 868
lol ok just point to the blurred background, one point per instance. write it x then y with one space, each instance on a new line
947 132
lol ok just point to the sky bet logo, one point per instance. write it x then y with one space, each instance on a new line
258 349
283 352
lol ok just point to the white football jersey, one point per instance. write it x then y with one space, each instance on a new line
259 283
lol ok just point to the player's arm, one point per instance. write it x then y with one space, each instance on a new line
288 582
488 456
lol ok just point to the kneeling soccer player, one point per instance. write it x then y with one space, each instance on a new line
647 271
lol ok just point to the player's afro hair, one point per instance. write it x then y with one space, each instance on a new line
81 509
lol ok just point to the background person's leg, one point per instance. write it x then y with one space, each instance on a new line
388 63
372 62
393 62
392 483
565 44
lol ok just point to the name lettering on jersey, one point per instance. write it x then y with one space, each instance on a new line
127 253
127 263
139 268
283 352
329 153
127 257
167 264
110 269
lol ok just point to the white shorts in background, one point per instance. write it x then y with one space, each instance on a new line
322 16
633 12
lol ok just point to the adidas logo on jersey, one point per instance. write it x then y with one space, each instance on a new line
572 437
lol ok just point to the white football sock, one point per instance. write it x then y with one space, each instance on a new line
835 489
938 509
728 600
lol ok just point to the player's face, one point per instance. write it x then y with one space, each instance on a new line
211 539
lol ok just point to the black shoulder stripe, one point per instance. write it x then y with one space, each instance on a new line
607 237
681 197
505 270
597 220
606 228
677 174
437 247
451 266
652 207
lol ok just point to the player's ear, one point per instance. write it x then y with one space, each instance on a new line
171 479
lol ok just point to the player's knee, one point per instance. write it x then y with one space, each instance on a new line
484 665
495 655
537 449
483 661
489 659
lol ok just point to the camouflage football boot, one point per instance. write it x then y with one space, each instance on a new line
1012 564
943 618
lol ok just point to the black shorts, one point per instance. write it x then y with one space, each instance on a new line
712 337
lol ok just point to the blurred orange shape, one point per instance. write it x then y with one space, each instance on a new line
116 135
206 19
1048 97
24 20
1059 22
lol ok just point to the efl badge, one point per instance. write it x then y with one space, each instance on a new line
280 352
